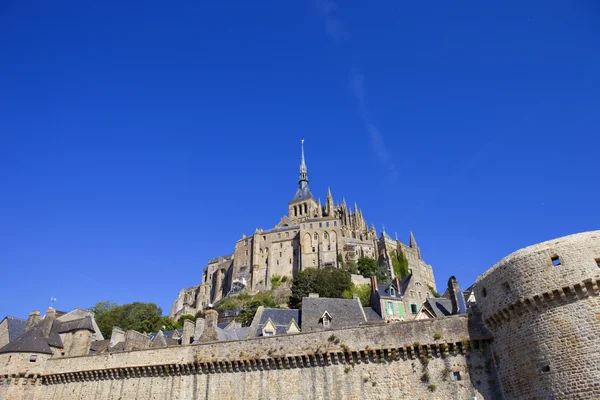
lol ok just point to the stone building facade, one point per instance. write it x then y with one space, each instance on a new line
311 235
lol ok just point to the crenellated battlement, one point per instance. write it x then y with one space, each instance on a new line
554 298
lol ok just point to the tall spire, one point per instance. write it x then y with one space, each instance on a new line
412 243
329 203
303 181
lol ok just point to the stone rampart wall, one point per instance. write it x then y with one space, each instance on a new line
549 313
412 360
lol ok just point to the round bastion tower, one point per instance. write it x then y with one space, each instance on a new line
542 304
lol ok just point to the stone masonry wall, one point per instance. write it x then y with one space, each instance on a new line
551 312
411 360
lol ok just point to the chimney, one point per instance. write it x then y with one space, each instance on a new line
117 336
188 331
397 281
33 319
209 334
373 284
199 328
48 321
453 292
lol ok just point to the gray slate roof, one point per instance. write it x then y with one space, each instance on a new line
344 313
232 334
16 327
302 193
372 316
440 307
74 325
281 317
384 291
34 340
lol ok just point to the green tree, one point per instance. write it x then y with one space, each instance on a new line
399 264
368 267
326 282
351 267
363 292
141 317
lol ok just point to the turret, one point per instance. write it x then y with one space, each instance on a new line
412 243
329 203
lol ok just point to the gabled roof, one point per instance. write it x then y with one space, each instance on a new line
232 334
16 327
344 313
74 325
386 291
303 193
372 316
440 307
280 317
34 340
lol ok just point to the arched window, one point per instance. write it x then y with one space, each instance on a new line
316 236
325 235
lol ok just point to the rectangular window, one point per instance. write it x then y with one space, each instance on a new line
310 226
389 307
328 247
320 224
279 235
456 376
290 260
327 224
414 308
33 358
287 234
277 262
246 242
268 333
555 261
334 223
279 254
313 249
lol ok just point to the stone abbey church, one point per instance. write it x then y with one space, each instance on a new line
311 235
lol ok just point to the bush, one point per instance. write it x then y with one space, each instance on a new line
399 264
326 282
275 281
431 388
368 267
362 291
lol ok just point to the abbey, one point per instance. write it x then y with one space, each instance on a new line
311 235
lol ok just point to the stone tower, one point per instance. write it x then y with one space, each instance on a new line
303 204
543 301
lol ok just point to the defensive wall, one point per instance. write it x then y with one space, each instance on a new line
542 304
409 360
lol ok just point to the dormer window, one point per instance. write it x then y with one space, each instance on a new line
392 291
326 320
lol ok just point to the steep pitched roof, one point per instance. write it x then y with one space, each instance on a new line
74 325
280 317
372 316
385 291
16 327
412 242
34 340
344 313
302 193
440 307
232 334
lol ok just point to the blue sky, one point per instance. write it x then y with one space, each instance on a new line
139 140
